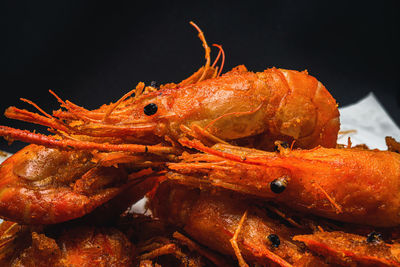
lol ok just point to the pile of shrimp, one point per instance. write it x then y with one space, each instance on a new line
238 169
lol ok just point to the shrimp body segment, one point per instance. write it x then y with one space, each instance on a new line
350 185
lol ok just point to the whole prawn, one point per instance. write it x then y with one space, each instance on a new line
218 221
252 109
41 185
349 185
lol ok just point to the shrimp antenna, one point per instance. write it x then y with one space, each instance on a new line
217 58
221 51
207 49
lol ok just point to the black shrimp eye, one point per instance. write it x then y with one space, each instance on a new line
278 185
282 144
153 84
285 144
274 239
374 237
150 109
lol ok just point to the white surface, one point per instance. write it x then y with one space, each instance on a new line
4 157
140 207
370 121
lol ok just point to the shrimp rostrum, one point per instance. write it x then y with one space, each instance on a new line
350 185
252 109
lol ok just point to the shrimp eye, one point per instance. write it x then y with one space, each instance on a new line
278 185
150 109
374 237
274 239
283 144
154 84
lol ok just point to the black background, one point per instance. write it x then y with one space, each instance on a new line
92 53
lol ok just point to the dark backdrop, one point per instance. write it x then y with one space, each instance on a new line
92 53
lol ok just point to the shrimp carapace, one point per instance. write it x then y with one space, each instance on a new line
350 185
